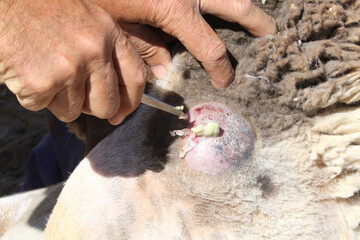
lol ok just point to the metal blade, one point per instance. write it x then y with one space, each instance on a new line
156 103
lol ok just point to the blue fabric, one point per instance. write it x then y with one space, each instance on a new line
54 158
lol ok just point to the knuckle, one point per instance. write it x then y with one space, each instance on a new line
100 14
16 86
140 75
108 112
67 68
68 117
31 104
74 111
36 91
244 7
173 14
41 88
99 40
109 109
111 112
64 112
148 52
33 93
92 44
108 21
180 7
216 52
122 41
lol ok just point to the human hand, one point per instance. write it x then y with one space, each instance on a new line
182 19
151 45
69 56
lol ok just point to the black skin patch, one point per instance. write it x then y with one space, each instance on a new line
266 185
140 143
43 209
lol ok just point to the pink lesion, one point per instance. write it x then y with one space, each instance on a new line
212 155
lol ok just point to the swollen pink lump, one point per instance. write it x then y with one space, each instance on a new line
213 155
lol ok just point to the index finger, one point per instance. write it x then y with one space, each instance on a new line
204 44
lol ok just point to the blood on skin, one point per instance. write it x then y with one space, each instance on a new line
213 155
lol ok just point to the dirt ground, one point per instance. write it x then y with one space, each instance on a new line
20 131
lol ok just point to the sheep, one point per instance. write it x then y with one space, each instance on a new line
300 93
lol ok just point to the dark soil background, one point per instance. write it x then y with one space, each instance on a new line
20 131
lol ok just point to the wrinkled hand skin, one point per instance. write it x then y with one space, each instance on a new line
183 20
71 57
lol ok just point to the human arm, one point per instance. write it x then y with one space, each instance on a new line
69 56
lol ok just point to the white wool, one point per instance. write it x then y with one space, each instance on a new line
336 149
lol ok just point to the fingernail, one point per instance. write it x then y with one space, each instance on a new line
159 71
